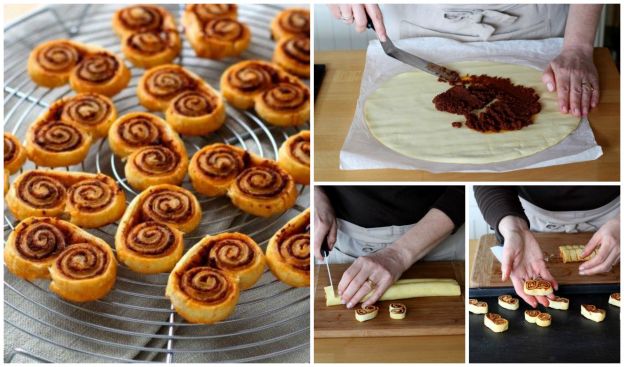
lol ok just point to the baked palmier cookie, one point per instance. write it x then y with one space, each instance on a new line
206 12
294 156
51 62
285 104
148 33
508 302
101 72
191 106
537 287
82 267
263 189
155 153
214 167
495 322
149 238
288 251
55 143
215 37
242 82
92 112
14 153
87 200
291 22
477 307
292 53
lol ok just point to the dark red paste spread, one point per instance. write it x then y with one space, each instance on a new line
489 104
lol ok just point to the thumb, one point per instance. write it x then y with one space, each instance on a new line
506 262
548 77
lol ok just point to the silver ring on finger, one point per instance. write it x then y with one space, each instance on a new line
347 19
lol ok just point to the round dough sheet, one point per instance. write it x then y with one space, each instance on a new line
401 115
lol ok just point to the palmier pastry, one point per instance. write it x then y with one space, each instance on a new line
100 72
366 313
495 322
292 53
92 112
214 167
85 199
593 313
14 153
51 62
242 82
294 157
234 253
477 307
155 153
159 85
572 253
284 104
508 302
149 237
537 287
55 143
214 37
149 35
398 311
291 22
559 303
206 12
6 181
531 315
543 319
288 251
82 267
614 299
263 189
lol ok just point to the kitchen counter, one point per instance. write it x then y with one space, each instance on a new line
335 106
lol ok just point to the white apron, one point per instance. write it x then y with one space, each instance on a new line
353 241
475 22
570 221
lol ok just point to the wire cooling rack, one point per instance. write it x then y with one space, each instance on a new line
135 322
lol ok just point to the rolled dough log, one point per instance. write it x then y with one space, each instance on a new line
400 115
406 288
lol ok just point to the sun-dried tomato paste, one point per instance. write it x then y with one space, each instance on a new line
490 104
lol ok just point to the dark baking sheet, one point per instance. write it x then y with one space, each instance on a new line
570 337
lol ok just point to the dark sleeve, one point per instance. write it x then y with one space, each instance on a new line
497 202
452 203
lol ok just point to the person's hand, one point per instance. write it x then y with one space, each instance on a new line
375 272
325 226
608 238
356 14
523 259
575 78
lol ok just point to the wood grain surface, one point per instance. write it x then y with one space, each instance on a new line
425 315
486 270
335 106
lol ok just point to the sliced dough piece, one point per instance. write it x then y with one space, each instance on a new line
537 287
407 288
543 319
508 302
476 306
593 313
397 311
400 115
559 303
531 315
614 299
495 322
366 313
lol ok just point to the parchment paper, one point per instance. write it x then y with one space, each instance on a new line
362 151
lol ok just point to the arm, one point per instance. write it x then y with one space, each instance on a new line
608 238
573 74
325 227
498 202
386 266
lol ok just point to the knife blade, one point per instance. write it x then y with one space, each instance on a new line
325 253
407 58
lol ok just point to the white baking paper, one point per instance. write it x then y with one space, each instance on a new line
362 151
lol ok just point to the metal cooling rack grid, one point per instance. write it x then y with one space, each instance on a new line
136 322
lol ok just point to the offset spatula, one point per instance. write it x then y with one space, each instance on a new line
407 58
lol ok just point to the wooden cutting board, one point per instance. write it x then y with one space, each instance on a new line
425 315
486 270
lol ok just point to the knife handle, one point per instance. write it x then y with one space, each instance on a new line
369 22
325 249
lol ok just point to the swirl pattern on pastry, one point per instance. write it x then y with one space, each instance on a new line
252 76
88 109
168 81
57 136
297 49
206 285
168 206
206 12
151 239
98 68
261 182
83 261
286 96
153 42
300 149
155 160
231 253
295 251
291 22
58 56
140 18
537 287
220 161
40 191
40 241
288 251
91 195
139 131
194 103
14 153
496 318
224 29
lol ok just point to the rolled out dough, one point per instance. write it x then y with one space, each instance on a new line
401 115
406 288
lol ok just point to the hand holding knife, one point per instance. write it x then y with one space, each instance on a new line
325 252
